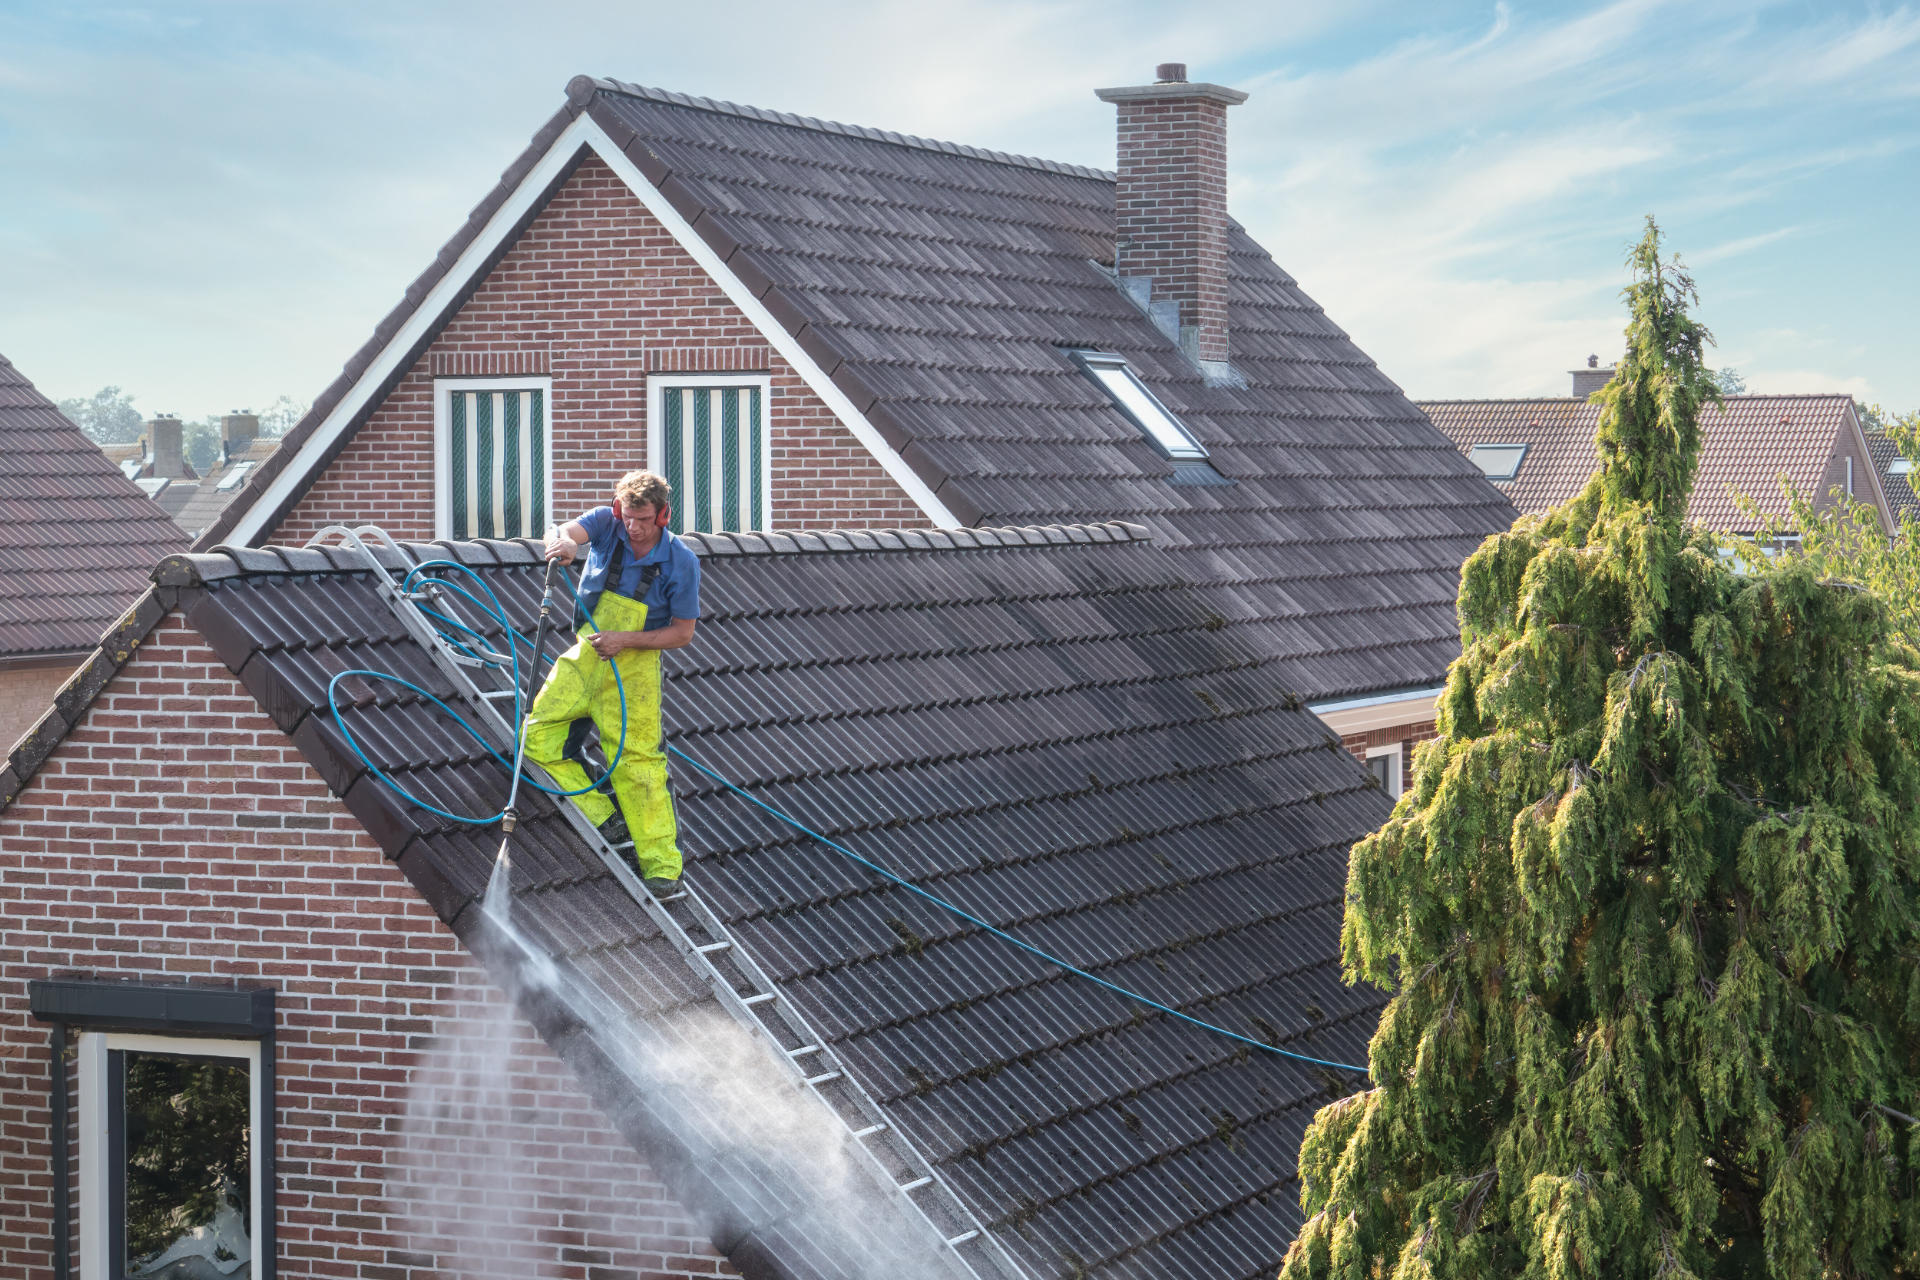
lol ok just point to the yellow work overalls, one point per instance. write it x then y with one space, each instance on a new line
581 684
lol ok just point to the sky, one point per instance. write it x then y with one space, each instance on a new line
211 203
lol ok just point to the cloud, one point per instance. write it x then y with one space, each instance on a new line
1734 248
1783 382
227 209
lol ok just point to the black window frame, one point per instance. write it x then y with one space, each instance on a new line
1523 446
184 1012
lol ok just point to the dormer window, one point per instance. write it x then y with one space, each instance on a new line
1499 461
1132 398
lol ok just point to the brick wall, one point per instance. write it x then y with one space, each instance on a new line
595 293
176 835
25 695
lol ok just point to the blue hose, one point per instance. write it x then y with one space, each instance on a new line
498 613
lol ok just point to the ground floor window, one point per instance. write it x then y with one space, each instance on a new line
707 436
493 452
170 1168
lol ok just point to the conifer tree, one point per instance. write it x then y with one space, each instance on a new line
1648 912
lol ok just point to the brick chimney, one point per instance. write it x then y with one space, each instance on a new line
166 448
237 431
1171 202
1590 379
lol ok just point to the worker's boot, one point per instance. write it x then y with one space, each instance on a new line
662 888
614 830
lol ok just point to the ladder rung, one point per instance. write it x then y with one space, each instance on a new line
869 1131
762 998
961 1239
672 897
498 693
916 1184
712 947
822 1079
803 1051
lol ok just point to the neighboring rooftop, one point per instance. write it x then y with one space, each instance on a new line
77 538
1046 726
1747 447
157 463
1896 473
944 289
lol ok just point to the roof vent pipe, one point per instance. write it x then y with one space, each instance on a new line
1170 214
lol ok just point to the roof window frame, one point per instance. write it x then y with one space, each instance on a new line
1180 445
1523 446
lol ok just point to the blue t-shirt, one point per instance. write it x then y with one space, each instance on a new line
675 592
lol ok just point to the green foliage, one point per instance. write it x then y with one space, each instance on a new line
1844 539
106 417
1647 911
1730 382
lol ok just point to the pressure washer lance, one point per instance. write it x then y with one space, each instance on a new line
510 818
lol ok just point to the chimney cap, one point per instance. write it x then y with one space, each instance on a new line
1593 362
1174 89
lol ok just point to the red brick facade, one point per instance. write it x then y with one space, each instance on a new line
596 293
176 835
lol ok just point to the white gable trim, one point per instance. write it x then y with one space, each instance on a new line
582 134
782 341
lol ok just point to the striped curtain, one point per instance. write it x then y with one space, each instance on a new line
498 463
714 454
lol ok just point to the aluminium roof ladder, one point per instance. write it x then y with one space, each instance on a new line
738 984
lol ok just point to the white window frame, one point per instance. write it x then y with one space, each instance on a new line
1395 758
95 1245
443 389
657 385
1175 441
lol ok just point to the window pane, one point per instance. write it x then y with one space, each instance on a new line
1499 461
1382 770
189 1185
1131 396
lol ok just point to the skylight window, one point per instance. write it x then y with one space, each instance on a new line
1132 398
1499 461
1900 467
231 481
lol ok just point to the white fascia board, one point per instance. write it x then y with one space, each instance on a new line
583 133
1376 700
776 335
299 473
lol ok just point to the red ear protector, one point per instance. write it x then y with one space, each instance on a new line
662 514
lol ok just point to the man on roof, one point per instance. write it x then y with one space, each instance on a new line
641 593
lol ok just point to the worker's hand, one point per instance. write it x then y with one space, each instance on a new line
608 643
562 548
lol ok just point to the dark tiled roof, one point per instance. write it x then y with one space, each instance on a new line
77 538
1054 732
1901 499
937 285
1747 446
